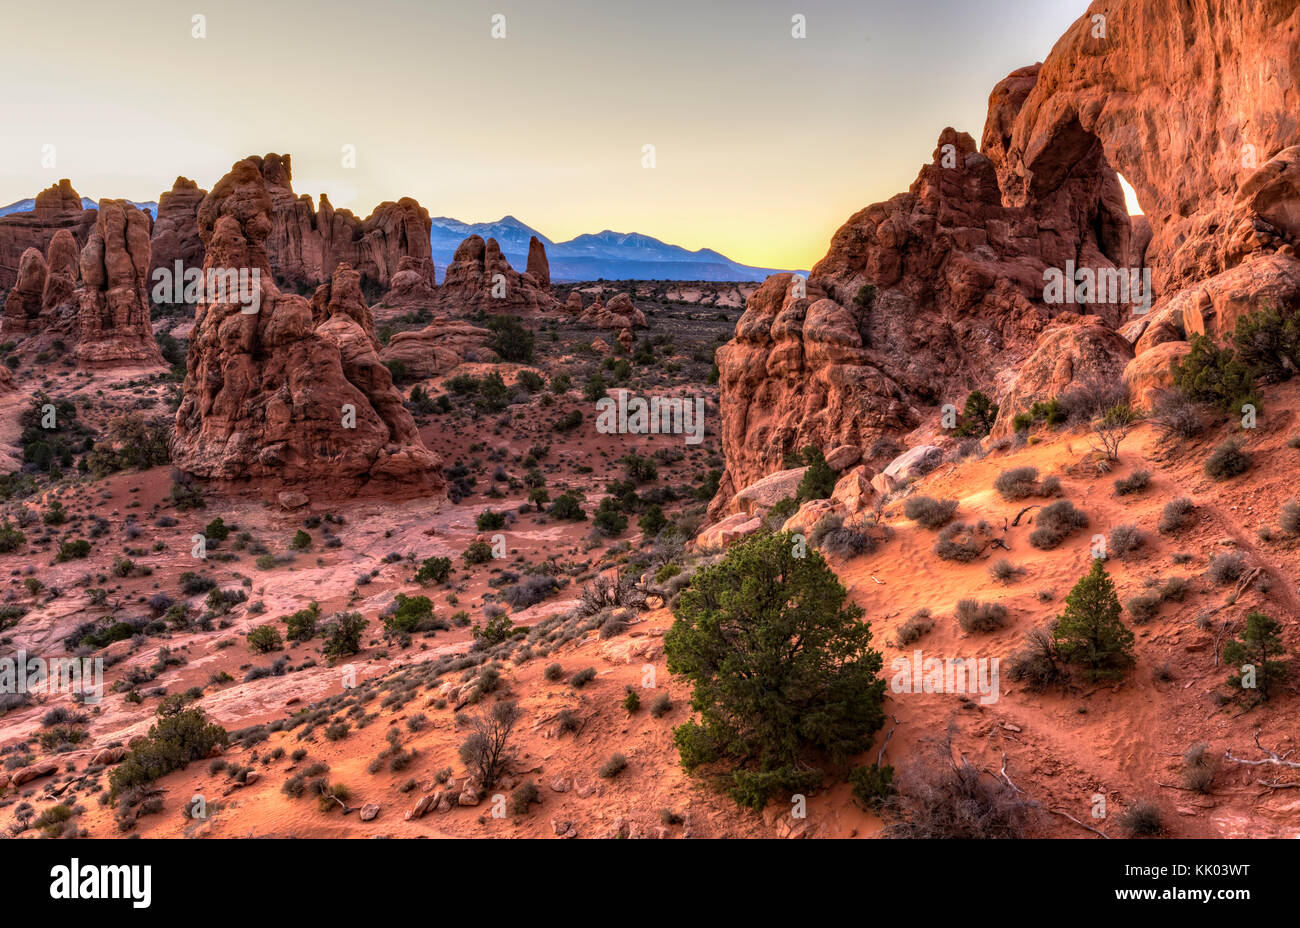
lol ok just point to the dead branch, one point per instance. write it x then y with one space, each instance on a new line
1016 520
1095 831
880 758
1279 760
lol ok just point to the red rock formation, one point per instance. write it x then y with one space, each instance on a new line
113 319
23 305
306 245
58 207
798 373
64 265
438 348
539 269
479 278
619 313
295 393
176 230
1193 102
1075 355
409 290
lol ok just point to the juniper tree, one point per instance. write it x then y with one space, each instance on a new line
784 679
1089 632
1259 641
818 480
978 415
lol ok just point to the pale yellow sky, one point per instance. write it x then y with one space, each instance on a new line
764 144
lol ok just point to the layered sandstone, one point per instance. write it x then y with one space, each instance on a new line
113 316
439 348
305 244
294 393
1194 103
946 284
56 208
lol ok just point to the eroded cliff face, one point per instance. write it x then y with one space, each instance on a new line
945 288
57 208
113 327
294 394
1196 103
306 244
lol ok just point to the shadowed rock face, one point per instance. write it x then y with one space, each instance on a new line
270 396
57 208
941 289
176 230
113 317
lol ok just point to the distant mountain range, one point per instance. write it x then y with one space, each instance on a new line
603 255
608 255
26 206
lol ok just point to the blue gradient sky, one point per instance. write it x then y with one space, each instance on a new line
764 143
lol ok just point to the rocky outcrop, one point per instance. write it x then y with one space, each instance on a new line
409 290
294 393
43 298
56 208
480 279
539 269
23 305
176 230
1078 355
1193 102
63 264
619 313
796 374
113 316
944 288
439 348
305 245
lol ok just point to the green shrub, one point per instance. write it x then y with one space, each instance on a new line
818 480
478 552
343 635
171 743
412 613
434 570
978 415
264 639
1214 375
568 508
73 550
511 339
798 688
302 624
1089 632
